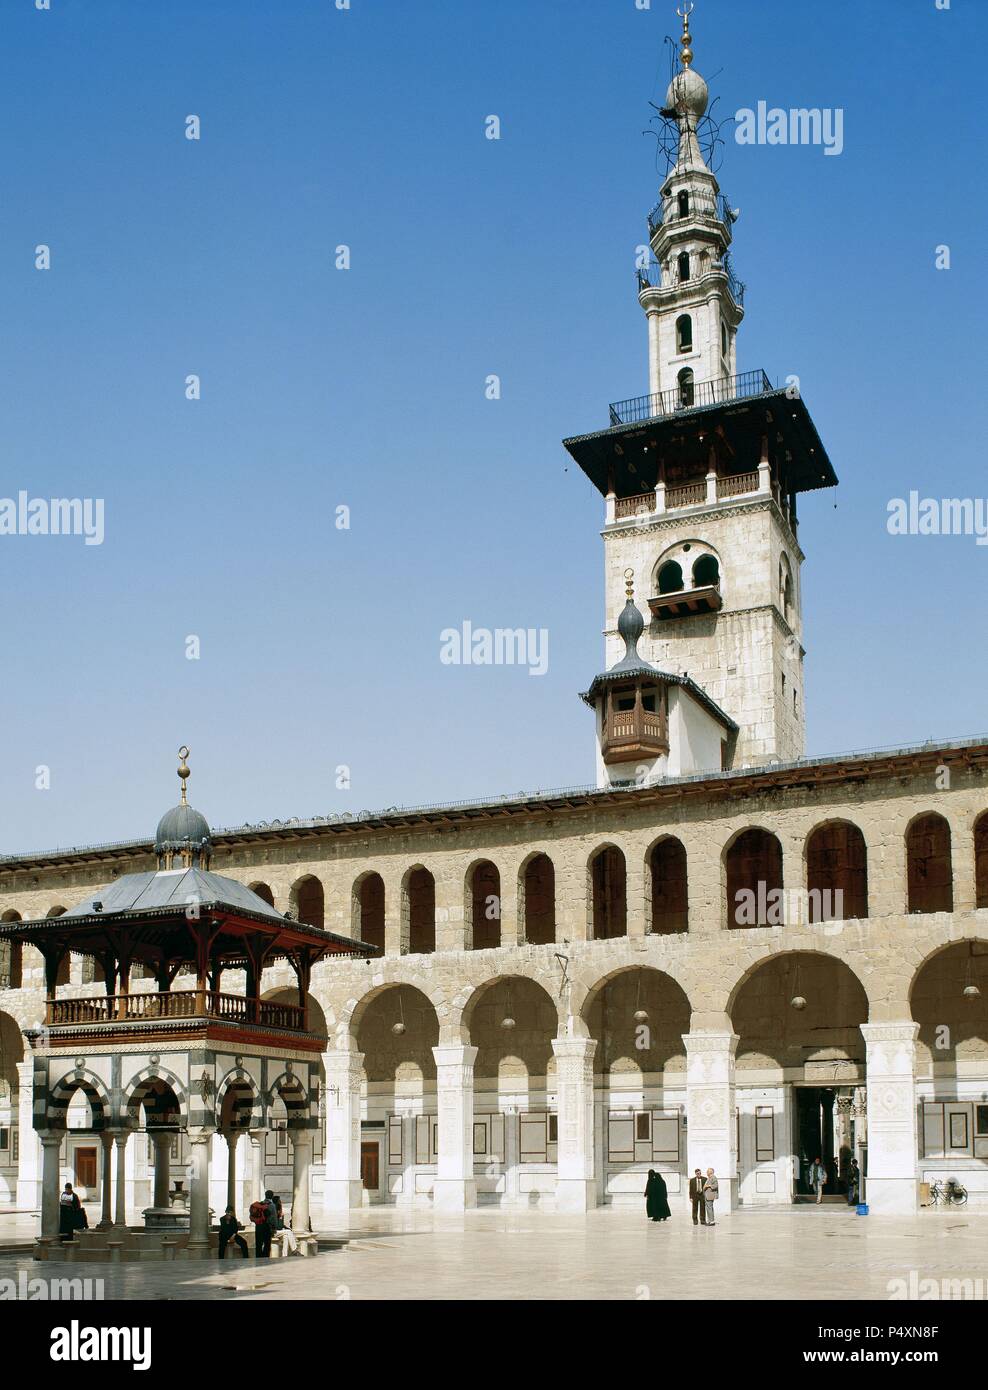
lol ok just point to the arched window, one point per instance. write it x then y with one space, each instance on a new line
667 862
419 906
485 903
683 266
10 957
837 873
539 900
929 872
785 589
309 903
723 338
981 861
686 392
670 577
684 333
263 891
706 572
683 203
369 910
754 880
608 888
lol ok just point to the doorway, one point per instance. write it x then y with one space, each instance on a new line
814 1136
85 1170
370 1166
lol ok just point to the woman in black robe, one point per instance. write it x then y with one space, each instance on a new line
656 1197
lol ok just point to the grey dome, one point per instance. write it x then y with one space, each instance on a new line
181 828
688 94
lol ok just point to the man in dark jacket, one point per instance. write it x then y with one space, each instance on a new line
696 1198
264 1230
230 1228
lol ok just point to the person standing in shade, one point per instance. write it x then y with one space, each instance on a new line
656 1197
711 1191
853 1183
696 1198
69 1212
816 1177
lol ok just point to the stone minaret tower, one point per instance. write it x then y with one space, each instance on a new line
700 477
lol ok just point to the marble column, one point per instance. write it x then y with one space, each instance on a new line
29 1153
106 1182
162 1169
301 1170
51 1171
575 1186
711 1132
200 1141
455 1186
891 1184
257 1138
232 1138
342 1188
120 1138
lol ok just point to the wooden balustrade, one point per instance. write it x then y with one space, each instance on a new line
632 506
740 483
686 495
126 1008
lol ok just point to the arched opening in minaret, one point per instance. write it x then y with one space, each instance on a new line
418 905
537 900
785 589
753 875
836 873
667 880
308 901
608 894
929 869
484 905
706 572
670 577
686 391
683 266
367 909
684 333
683 203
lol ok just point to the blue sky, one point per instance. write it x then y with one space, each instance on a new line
365 387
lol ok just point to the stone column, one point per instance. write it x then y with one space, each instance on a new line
162 1169
575 1187
710 1124
28 1166
51 1171
301 1168
891 1184
511 1158
654 321
511 933
764 468
257 1138
395 931
455 1186
199 1142
106 1182
232 1137
342 1189
120 1138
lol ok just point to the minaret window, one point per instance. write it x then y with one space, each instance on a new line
684 333
706 572
684 266
683 201
670 577
687 395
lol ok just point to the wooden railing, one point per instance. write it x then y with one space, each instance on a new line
631 506
231 1008
741 482
688 495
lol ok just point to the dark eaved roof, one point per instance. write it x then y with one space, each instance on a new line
644 670
174 888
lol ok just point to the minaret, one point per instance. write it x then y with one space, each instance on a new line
700 478
692 301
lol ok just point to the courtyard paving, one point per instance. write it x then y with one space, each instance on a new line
807 1253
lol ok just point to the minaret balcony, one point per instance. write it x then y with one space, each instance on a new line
693 205
635 733
686 602
650 278
697 395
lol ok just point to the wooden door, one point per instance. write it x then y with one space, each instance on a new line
370 1166
85 1169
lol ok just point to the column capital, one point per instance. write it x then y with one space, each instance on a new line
582 1048
710 1040
904 1030
49 1137
200 1134
455 1055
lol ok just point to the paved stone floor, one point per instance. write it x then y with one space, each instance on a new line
805 1253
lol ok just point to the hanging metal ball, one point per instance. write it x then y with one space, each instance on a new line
971 992
507 1022
397 1029
641 1015
798 1002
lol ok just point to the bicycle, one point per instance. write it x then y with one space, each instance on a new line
949 1193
